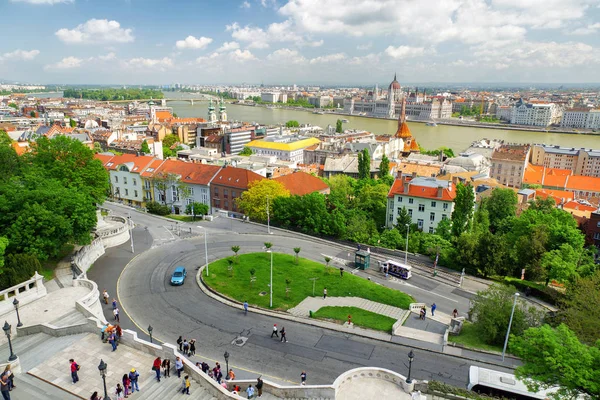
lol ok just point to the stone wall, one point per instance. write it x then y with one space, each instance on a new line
26 292
89 305
87 255
116 234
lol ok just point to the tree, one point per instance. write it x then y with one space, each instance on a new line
341 191
145 148
268 245
175 115
384 167
491 312
3 245
10 162
197 208
444 229
288 282
364 164
501 205
32 114
292 124
252 278
253 202
578 310
491 254
297 251
156 208
162 183
327 260
560 264
339 127
403 220
464 203
246 151
372 200
555 357
13 105
235 250
18 268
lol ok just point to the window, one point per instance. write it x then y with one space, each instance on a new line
431 229
421 207
147 184
174 193
597 236
134 182
216 191
189 201
226 204
399 199
125 180
432 216
190 190
116 179
126 192
410 213
420 223
225 193
433 204
391 218
410 200
444 217
232 194
135 193
445 206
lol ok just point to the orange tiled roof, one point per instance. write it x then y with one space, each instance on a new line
104 158
403 131
414 146
19 149
199 174
574 205
236 177
301 183
583 183
139 162
422 191
151 169
557 195
163 115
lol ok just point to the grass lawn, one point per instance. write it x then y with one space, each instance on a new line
360 317
239 287
468 337
183 218
49 266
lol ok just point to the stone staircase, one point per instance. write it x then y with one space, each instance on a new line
170 388
69 319
31 388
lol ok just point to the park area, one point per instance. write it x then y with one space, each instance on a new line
246 278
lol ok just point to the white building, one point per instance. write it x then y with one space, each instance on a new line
584 118
471 161
286 148
427 200
125 177
270 97
237 138
535 114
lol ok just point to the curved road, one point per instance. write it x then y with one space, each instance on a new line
148 299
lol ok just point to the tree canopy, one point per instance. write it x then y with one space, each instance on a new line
339 127
113 94
292 124
253 202
364 164
464 204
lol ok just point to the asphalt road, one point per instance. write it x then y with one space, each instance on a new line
146 296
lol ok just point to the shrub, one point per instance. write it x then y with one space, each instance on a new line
157 208
537 290
18 268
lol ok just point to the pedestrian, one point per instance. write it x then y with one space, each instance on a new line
94 396
114 303
250 391
303 378
283 339
246 307
324 293
205 367
119 391
423 312
192 347
224 385
166 366
116 314
10 376
105 295
180 343
219 375
341 272
455 313
259 386
133 377
74 369
126 385
119 333
274 331
433 307
4 387
178 366
156 367
231 375
186 347
112 339
186 385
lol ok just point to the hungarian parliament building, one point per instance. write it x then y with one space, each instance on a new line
418 105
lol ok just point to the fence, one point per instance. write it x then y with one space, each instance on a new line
26 292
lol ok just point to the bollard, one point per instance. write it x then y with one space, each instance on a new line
310 313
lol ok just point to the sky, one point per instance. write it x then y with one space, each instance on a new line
342 42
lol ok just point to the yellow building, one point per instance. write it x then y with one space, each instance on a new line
287 148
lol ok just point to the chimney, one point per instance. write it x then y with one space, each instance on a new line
450 186
440 192
405 184
414 175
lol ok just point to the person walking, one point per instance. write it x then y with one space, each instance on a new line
231 375
259 386
74 369
126 384
10 376
114 303
180 343
250 391
156 367
274 331
219 375
246 307
423 313
324 293
455 313
192 347
178 366
105 296
4 387
119 391
166 366
283 339
433 307
303 378
186 385
133 377
186 347
95 396
116 314
112 339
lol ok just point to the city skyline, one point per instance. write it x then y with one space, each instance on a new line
301 41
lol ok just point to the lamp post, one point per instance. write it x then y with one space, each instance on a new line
130 224
406 251
205 249
102 368
512 313
411 357
150 332
226 355
271 284
268 217
6 329
16 304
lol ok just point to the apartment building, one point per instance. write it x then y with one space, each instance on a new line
509 162
535 114
583 118
229 184
584 162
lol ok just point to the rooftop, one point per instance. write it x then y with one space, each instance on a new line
283 144
424 188
511 152
301 183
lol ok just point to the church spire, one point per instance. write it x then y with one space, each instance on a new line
402 118
394 76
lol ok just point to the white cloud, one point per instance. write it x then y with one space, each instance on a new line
20 55
108 57
286 56
192 42
239 55
245 4
317 43
203 59
48 2
228 46
404 51
369 59
66 63
328 58
588 30
277 32
96 31
365 46
160 64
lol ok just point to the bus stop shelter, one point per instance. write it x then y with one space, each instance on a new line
362 259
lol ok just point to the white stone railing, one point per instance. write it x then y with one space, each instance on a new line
25 292
113 231
88 254
416 307
373 373
89 305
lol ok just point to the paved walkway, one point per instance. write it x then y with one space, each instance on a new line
315 303
369 388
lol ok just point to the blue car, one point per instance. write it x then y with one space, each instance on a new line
178 276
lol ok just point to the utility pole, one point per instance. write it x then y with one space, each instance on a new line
130 223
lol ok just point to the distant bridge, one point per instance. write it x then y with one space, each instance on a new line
201 97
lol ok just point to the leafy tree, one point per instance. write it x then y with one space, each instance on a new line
464 203
308 214
145 148
327 260
491 313
297 251
467 246
372 200
501 205
491 254
246 151
156 208
364 164
448 152
13 105
10 163
18 268
360 228
198 208
543 205
175 115
109 94
444 229
32 114
339 127
555 357
560 264
384 167
292 124
391 238
403 219
3 245
579 308
5 140
341 191
235 250
253 202
163 183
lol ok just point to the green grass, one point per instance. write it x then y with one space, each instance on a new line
238 286
183 218
469 338
49 265
360 317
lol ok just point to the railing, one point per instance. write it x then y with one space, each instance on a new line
113 231
85 256
25 292
383 374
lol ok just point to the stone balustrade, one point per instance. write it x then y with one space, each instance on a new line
25 292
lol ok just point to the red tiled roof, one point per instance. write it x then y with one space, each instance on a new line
151 169
583 183
557 195
235 177
139 162
199 174
422 191
301 183
574 205
104 158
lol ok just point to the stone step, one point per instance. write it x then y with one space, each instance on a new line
31 388
69 319
170 387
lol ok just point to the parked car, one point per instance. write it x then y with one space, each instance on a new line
178 276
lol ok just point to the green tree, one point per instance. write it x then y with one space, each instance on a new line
297 251
501 205
197 208
10 163
339 127
491 255
364 164
292 124
13 105
384 167
253 201
163 183
444 229
156 208
403 220
32 114
464 203
555 357
3 245
341 191
372 200
578 310
145 148
5 140
246 151
235 250
491 312
308 214
18 268
72 123
560 264
391 239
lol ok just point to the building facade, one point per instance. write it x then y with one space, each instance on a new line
286 148
535 114
227 186
583 118
509 162
584 162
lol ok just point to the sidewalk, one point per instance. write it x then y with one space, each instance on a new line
315 303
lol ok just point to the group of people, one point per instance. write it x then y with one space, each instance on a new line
185 347
252 390
7 382
282 331
111 334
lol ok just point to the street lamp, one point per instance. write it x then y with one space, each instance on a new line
130 224
226 355
16 304
411 357
102 368
271 285
512 313
6 329
268 218
205 249
150 332
406 251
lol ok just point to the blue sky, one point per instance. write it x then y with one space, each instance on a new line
300 41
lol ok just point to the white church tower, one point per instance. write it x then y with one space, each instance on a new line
212 116
222 112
